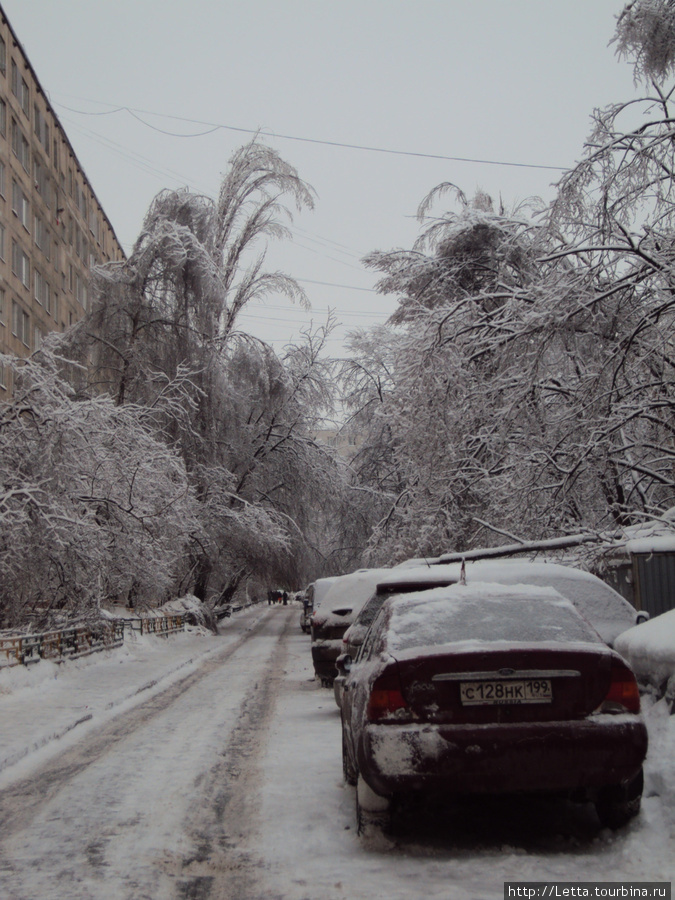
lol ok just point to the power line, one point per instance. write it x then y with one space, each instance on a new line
214 126
347 287
146 165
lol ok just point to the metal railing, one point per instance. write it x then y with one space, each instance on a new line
161 625
69 643
73 643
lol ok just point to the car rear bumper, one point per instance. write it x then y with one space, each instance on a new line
324 654
554 756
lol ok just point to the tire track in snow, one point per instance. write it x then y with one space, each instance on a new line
224 819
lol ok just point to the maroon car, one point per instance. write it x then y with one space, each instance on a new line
487 688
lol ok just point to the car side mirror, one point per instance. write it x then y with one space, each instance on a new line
642 616
344 663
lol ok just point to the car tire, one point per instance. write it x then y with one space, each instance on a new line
349 772
617 804
373 812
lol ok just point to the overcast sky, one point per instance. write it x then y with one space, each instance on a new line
510 81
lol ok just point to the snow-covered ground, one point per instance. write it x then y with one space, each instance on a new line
211 768
48 706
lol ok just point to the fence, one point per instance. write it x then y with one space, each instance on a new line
73 643
156 624
69 643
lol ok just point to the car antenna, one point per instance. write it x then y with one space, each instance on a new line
462 572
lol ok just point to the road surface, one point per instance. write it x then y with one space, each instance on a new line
227 783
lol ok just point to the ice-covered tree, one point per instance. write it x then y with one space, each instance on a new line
94 507
434 396
165 322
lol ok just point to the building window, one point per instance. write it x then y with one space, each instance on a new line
2 242
20 146
81 291
38 282
3 118
41 127
3 56
3 379
37 337
55 308
20 206
41 290
2 179
20 88
42 238
20 324
2 306
20 265
24 98
42 183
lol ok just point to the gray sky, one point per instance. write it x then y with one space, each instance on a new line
504 80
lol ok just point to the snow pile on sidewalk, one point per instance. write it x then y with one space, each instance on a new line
196 613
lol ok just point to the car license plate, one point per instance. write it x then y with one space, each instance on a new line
493 693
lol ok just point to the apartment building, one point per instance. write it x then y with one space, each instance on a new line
52 227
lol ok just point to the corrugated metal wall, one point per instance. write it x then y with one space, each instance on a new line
655 582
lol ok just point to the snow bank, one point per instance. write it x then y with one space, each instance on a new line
197 614
650 649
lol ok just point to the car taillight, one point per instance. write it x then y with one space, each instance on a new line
386 700
623 694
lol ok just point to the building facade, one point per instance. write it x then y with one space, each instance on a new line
52 228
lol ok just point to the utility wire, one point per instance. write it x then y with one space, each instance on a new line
214 126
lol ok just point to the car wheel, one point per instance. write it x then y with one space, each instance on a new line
348 770
373 812
617 804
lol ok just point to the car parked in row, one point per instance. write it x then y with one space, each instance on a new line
392 584
606 610
333 613
489 688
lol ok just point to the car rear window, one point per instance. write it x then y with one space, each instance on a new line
485 613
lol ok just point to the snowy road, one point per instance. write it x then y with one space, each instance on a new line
226 783
148 804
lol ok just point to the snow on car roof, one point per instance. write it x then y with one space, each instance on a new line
421 575
351 591
484 612
321 588
606 609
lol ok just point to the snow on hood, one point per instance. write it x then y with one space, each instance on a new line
650 648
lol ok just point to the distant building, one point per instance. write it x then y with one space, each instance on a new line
346 445
52 227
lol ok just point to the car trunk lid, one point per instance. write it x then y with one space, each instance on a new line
506 684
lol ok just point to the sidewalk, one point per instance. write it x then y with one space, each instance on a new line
47 706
